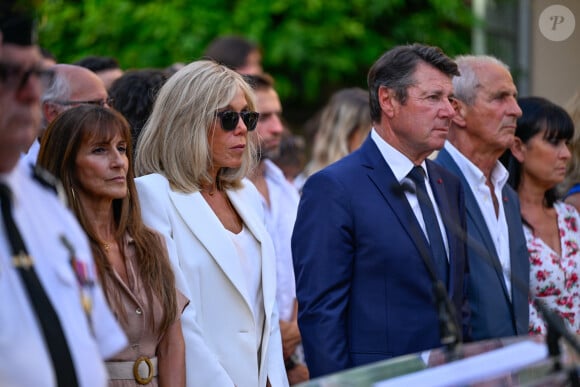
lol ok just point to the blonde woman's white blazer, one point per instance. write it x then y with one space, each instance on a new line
218 325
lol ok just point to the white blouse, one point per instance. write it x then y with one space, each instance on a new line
250 257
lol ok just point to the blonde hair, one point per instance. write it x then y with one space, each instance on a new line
573 168
346 113
175 139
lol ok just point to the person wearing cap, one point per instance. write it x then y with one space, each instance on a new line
55 325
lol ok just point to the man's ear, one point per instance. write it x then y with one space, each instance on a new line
518 149
460 112
387 101
49 111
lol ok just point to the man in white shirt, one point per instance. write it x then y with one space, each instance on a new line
44 253
481 131
280 201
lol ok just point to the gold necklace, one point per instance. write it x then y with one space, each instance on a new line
212 189
106 246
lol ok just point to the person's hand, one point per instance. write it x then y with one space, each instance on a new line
298 374
290 337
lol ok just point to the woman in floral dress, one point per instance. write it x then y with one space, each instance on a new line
537 163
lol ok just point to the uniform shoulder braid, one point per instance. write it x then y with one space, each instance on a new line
48 181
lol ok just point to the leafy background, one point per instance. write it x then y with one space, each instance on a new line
311 47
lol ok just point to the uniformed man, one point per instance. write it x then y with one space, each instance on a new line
55 325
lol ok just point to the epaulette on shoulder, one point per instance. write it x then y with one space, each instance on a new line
48 181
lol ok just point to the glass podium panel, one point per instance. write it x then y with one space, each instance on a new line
521 361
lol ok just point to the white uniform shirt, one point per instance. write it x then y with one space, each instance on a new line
31 156
280 218
42 220
497 226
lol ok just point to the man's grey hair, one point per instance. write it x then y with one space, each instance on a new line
465 86
58 89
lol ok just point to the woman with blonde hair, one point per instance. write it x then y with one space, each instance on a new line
89 149
193 156
344 124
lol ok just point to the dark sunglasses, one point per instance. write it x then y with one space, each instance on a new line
15 77
229 119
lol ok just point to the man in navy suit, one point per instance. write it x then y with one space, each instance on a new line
360 245
481 131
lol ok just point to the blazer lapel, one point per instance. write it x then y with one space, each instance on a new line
475 217
439 191
519 264
268 273
206 227
384 180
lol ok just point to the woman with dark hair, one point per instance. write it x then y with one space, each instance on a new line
537 163
89 149
570 187
133 95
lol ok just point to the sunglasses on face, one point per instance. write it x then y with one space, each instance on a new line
15 77
229 119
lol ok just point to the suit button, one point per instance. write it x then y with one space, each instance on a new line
138 311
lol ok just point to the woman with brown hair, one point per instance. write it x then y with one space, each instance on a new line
89 149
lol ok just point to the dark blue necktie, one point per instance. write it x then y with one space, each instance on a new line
47 318
438 252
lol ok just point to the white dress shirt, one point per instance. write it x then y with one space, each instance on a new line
497 226
401 166
280 217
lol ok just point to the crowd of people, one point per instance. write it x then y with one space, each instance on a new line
164 226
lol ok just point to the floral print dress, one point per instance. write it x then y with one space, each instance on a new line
554 278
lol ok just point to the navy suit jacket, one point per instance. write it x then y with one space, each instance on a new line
493 314
364 292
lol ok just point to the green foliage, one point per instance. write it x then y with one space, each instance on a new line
311 47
